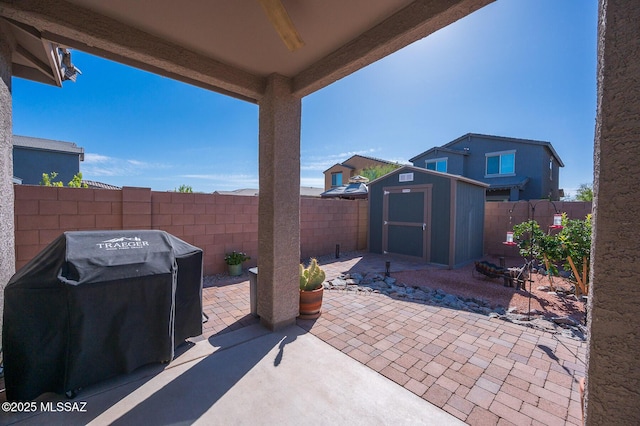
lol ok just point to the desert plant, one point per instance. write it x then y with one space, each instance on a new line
235 258
76 182
311 277
48 179
184 188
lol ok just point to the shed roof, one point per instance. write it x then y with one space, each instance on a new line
406 168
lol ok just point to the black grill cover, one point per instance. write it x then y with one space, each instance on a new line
96 304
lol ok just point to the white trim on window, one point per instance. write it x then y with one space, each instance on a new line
501 165
435 161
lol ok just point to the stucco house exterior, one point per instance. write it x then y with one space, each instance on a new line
339 174
515 169
34 156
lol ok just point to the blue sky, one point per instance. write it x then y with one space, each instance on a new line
517 68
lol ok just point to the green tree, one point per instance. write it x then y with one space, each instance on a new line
48 179
76 182
374 172
184 188
584 192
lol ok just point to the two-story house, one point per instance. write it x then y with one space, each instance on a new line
515 169
34 156
339 174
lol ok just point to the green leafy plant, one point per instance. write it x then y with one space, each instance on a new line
374 172
571 246
584 192
311 277
76 182
235 258
48 179
185 188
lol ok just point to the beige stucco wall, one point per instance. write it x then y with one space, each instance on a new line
613 370
7 253
346 174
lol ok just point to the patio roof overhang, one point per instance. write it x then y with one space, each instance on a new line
231 47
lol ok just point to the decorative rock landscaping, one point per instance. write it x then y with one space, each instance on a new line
377 283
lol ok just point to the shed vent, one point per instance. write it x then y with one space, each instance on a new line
405 177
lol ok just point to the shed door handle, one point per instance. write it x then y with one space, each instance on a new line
424 226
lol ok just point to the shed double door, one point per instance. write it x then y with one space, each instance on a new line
406 221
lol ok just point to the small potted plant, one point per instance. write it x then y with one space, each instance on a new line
234 261
311 290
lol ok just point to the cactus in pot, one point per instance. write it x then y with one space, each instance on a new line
312 277
311 290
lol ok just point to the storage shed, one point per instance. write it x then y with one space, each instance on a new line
428 215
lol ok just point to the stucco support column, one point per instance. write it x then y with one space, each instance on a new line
613 366
7 238
279 204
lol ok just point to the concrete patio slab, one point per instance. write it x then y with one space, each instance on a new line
249 376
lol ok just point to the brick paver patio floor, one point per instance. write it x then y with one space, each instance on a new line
483 371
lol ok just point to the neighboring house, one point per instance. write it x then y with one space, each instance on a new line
34 156
339 174
515 169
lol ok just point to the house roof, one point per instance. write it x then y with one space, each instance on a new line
99 185
344 163
407 168
48 145
500 138
508 183
441 149
368 158
346 166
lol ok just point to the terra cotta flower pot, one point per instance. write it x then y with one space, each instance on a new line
311 303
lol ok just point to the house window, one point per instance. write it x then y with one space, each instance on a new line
437 164
501 163
336 179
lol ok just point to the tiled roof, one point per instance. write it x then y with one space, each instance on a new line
99 185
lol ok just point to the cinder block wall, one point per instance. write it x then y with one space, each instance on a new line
498 220
221 223
327 222
216 223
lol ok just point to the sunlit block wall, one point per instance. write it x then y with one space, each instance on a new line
216 223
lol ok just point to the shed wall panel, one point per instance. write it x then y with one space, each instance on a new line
469 237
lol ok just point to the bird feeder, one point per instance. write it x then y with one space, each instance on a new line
509 240
557 221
